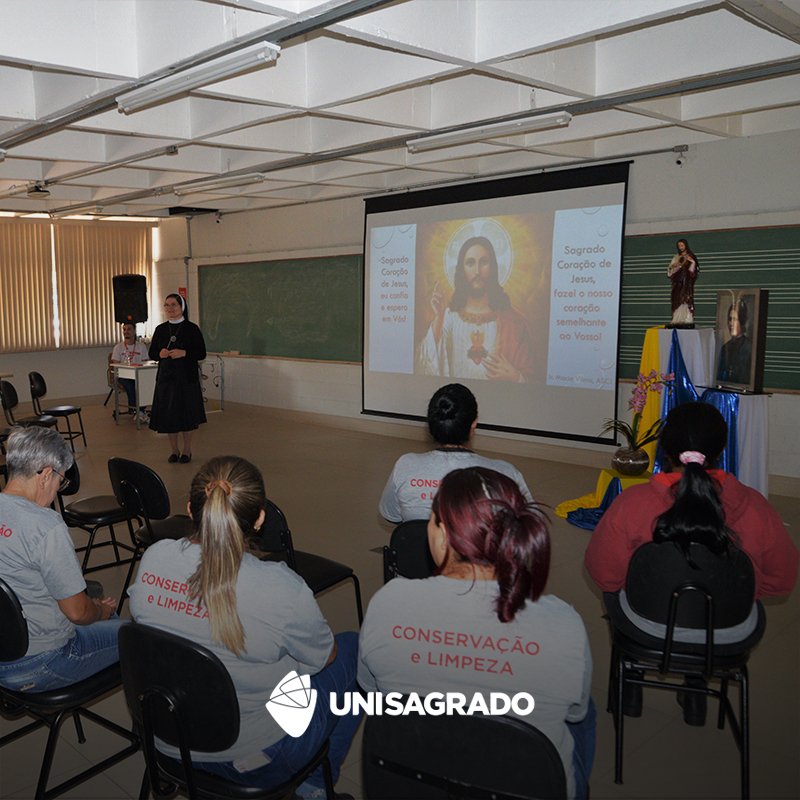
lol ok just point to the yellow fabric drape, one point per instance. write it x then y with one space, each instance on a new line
652 407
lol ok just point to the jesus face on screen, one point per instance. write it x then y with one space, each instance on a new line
475 283
478 334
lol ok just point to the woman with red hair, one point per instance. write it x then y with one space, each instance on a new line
482 624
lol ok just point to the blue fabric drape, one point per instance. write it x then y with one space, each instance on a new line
683 390
587 518
727 403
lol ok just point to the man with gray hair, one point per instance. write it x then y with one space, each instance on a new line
70 636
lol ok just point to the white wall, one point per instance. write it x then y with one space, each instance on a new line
68 373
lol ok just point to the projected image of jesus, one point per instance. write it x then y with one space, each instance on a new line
478 334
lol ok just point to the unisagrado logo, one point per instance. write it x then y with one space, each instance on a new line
293 701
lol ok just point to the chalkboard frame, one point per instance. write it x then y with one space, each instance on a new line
305 309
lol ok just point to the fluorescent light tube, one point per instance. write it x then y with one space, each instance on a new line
256 55
219 183
477 133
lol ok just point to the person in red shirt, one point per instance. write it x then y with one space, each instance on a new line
696 502
693 502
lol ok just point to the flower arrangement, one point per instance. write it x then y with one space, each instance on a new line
653 382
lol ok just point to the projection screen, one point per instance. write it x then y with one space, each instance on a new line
511 287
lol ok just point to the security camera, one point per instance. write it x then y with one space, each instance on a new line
680 161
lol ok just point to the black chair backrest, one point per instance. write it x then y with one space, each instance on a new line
74 476
178 691
38 389
459 756
138 489
408 553
274 535
657 570
8 396
13 625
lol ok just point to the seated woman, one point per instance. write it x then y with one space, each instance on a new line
485 607
71 636
692 502
259 618
452 419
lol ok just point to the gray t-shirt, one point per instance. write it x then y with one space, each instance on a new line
283 626
416 477
38 561
442 634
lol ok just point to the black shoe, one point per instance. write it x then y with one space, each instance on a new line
185 458
694 704
173 458
632 697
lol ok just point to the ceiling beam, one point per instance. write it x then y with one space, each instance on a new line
105 101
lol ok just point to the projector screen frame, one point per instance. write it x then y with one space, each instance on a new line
525 184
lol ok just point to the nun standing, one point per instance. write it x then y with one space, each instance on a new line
178 346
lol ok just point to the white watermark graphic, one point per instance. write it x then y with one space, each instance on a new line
292 704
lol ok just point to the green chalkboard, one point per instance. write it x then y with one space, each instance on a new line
766 258
300 308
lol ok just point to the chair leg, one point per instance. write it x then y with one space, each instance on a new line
49 752
70 435
144 789
744 732
619 721
88 550
83 430
79 727
723 699
359 606
114 543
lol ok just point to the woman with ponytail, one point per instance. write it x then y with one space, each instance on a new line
258 617
693 502
482 624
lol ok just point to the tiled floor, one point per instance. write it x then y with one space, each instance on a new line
328 482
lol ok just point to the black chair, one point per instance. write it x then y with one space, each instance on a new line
39 390
181 693
419 756
92 514
274 542
141 492
10 400
705 593
51 708
407 553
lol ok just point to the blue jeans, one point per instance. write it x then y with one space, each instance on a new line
129 385
584 735
92 649
289 755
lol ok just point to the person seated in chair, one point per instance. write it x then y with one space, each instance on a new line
259 618
693 502
130 351
452 419
486 607
71 637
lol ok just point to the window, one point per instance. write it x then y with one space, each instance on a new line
55 280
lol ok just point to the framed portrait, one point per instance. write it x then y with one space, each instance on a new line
741 328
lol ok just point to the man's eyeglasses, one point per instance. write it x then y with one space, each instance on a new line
65 482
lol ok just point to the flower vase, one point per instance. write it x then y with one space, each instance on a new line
630 462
